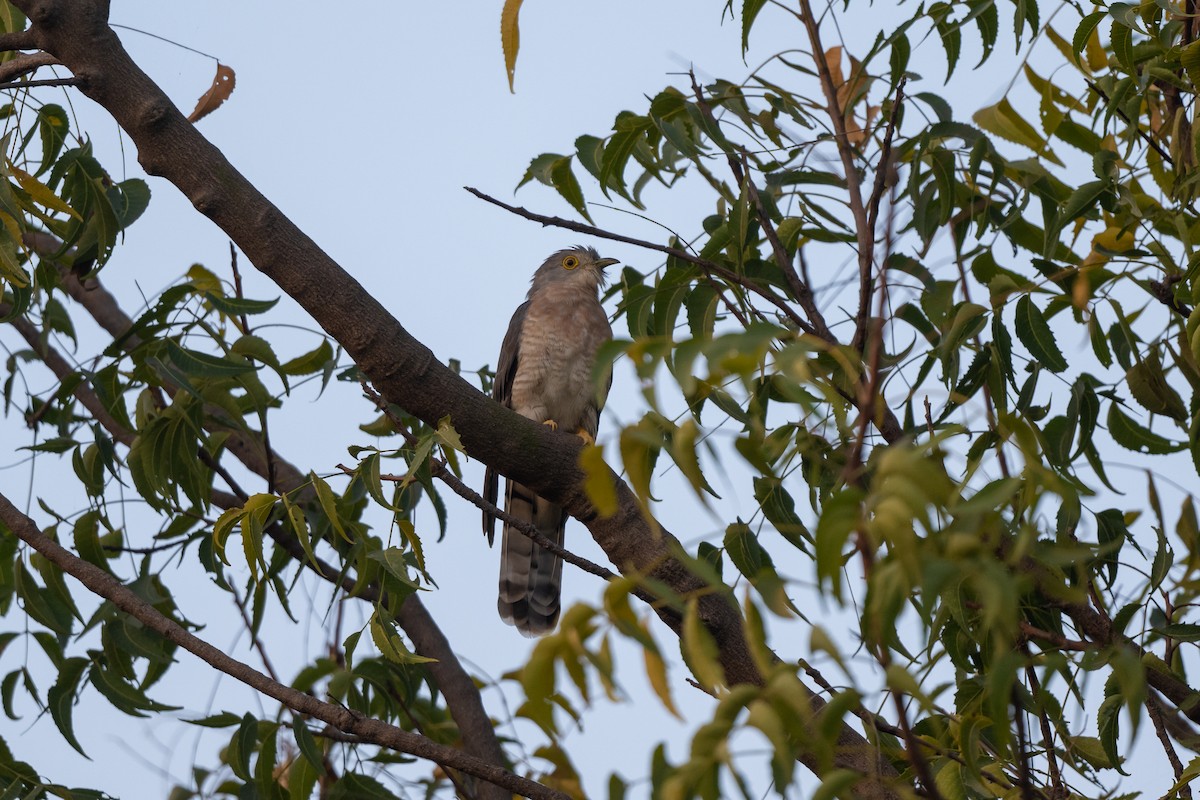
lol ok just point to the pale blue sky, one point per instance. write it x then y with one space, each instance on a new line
363 124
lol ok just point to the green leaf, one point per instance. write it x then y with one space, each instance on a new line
1035 334
1109 724
1122 45
1084 32
1008 123
241 747
780 510
307 744
1133 436
1181 631
328 503
563 179
310 362
237 306
753 561
61 698
202 365
840 516
1189 59
750 9
1148 385
225 719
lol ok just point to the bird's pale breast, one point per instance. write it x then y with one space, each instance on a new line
563 329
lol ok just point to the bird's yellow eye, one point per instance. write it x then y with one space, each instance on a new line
570 262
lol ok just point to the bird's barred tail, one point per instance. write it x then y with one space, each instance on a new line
530 577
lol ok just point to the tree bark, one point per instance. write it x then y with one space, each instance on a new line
404 370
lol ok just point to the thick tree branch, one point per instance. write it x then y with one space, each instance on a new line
455 684
23 65
371 730
404 370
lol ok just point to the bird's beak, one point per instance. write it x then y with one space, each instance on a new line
606 262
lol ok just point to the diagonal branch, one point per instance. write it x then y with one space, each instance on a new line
24 64
454 683
704 264
371 730
405 371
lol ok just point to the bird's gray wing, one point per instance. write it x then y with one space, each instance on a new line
506 369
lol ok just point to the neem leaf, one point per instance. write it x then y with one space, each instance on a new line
565 182
61 699
750 9
1035 334
510 38
222 86
1133 436
1148 385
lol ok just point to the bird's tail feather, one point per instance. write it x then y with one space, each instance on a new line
530 577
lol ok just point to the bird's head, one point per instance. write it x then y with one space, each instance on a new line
580 266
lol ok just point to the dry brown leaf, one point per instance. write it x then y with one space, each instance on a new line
833 57
222 87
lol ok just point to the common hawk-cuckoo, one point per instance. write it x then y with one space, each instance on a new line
545 373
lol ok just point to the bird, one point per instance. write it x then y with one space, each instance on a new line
545 373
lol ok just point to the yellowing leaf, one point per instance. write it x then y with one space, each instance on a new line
510 38
599 483
700 651
40 192
1004 121
656 673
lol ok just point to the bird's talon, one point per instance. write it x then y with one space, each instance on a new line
588 439
551 424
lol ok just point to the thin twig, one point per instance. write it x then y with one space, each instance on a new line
1059 791
254 640
1146 137
439 470
371 730
863 232
1024 781
47 82
1155 709
703 263
741 174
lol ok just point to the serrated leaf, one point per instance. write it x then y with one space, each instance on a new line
839 518
1034 332
510 38
564 181
1006 122
61 699
1181 631
1148 384
202 365
226 719
750 9
1122 44
1133 436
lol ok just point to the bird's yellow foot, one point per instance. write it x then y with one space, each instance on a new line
588 439
551 424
